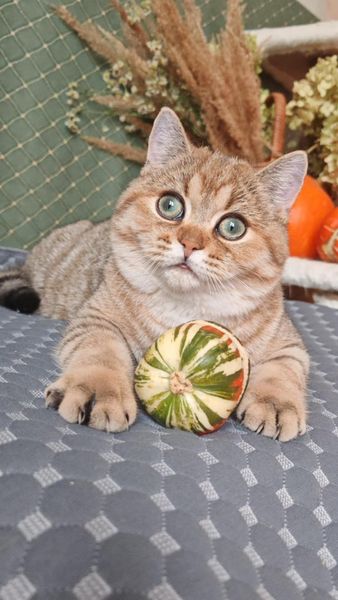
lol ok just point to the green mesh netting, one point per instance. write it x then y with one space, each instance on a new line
49 177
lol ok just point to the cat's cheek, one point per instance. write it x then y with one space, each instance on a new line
198 261
175 253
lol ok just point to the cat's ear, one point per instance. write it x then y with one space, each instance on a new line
284 177
167 139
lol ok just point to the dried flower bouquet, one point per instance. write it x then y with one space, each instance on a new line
164 58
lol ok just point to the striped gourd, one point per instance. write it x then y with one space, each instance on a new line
193 377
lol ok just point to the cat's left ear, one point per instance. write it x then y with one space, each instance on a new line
167 139
284 177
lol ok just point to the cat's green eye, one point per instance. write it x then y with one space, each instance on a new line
231 227
170 207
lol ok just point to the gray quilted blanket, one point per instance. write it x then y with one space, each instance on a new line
161 514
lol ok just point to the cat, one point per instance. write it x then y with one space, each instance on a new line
198 235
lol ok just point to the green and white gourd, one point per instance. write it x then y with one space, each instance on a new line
193 377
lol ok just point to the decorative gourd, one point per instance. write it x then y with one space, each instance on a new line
327 243
307 214
193 377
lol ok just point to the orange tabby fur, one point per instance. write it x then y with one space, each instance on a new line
125 271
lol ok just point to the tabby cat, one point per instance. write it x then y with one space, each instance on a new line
197 235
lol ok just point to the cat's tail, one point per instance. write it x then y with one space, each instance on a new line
17 293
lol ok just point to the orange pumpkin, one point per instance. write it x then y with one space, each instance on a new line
327 242
307 214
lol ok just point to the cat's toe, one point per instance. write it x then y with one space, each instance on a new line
109 416
289 422
114 412
72 403
260 416
53 397
86 410
76 406
274 419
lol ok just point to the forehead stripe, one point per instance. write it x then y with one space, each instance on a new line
194 189
222 197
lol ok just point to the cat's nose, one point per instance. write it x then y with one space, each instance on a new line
189 247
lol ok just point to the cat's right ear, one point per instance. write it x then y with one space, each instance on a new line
167 139
283 178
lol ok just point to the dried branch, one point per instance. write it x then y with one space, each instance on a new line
134 28
104 44
115 103
125 150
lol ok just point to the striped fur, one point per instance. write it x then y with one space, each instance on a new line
118 284
16 292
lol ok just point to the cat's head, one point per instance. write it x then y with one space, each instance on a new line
199 221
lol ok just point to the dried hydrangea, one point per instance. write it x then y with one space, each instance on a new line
267 116
119 80
74 102
137 10
159 85
251 42
314 112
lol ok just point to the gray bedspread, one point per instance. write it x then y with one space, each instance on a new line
162 514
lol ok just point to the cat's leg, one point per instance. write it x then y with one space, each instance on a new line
96 386
275 401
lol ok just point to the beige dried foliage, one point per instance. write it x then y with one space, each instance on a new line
141 126
89 33
132 30
224 81
242 83
105 44
118 104
125 150
219 80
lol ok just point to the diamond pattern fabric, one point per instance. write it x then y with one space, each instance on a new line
162 514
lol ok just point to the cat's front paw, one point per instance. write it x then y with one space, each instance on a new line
275 418
94 396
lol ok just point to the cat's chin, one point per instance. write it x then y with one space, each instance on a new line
181 278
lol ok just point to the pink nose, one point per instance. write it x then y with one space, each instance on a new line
189 246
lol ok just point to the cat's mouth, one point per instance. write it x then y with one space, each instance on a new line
182 276
183 265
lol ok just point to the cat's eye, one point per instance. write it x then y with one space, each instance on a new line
171 207
232 227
